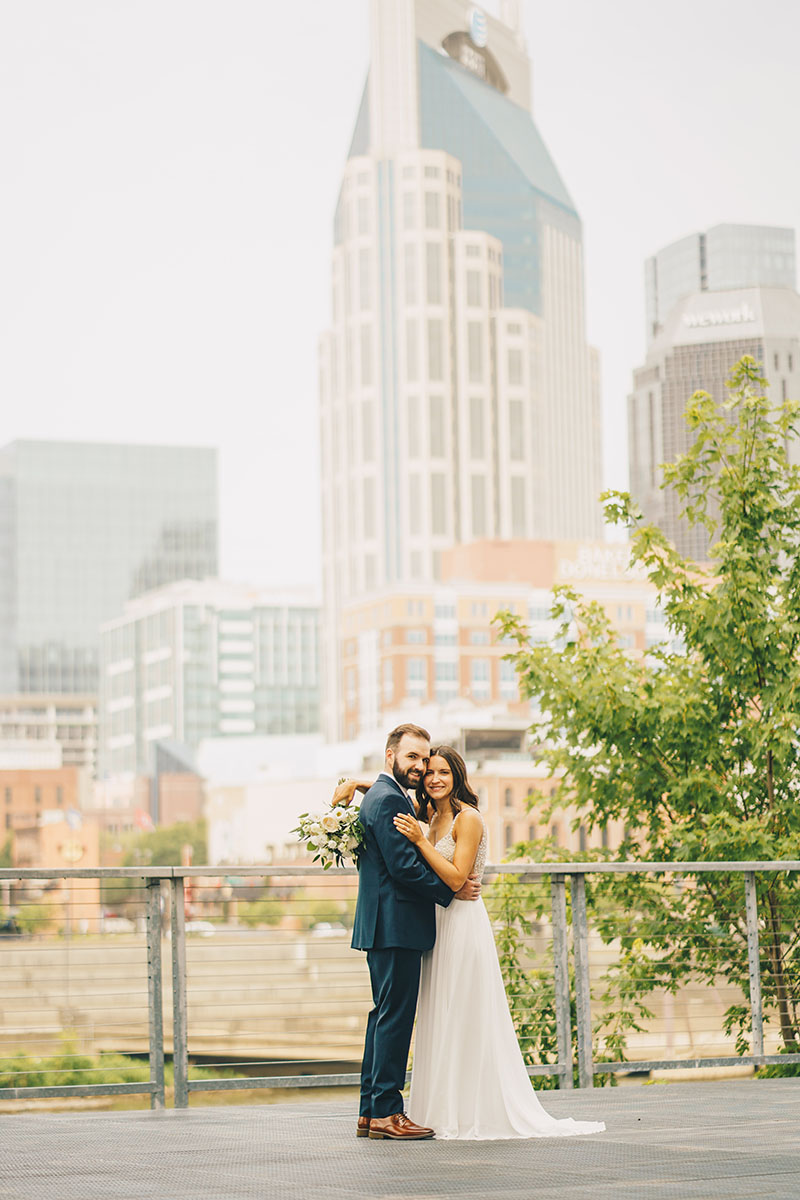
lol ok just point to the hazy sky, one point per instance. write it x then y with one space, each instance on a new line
168 174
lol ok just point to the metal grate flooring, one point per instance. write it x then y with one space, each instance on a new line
724 1140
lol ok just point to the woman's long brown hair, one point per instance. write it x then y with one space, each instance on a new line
462 792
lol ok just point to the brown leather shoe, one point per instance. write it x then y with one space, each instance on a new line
399 1127
362 1128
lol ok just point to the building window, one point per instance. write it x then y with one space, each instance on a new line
37 795
446 672
60 796
369 508
479 637
776 361
364 280
474 289
480 678
515 366
368 431
410 273
416 676
438 507
516 431
366 356
431 172
409 210
388 679
790 362
509 688
478 506
475 351
477 448
414 507
531 833
433 215
508 837
582 839
508 798
437 434
435 353
363 215
416 637
412 351
473 251
8 795
433 272
412 407
555 834
518 522
604 837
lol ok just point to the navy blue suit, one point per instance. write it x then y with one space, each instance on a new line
394 922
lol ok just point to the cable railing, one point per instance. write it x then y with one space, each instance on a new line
235 978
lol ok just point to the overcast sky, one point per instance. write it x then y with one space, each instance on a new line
168 173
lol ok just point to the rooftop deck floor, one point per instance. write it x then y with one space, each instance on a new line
733 1139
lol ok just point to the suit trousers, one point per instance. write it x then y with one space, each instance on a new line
394 974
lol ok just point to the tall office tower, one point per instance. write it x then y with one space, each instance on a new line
459 398
703 337
83 527
727 256
200 660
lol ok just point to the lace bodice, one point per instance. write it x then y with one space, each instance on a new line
446 846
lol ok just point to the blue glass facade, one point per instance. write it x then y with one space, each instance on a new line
510 183
83 528
507 174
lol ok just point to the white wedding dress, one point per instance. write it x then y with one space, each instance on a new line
469 1080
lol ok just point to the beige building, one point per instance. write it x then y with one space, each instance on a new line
26 794
436 645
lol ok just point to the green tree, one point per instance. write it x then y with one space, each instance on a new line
695 746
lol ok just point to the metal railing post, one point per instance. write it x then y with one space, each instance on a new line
756 1011
155 992
583 1003
558 899
180 1057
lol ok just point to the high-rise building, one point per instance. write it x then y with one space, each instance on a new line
727 256
702 339
203 660
84 527
459 398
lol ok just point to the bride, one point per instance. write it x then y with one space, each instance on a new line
469 1079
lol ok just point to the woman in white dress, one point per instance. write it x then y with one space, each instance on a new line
469 1079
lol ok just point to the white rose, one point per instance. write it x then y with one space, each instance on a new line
352 842
330 822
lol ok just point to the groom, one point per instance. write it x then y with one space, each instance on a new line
394 922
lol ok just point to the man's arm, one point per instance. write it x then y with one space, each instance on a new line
403 862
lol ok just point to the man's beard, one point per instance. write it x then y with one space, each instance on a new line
403 779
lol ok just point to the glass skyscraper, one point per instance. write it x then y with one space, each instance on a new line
83 528
727 256
459 398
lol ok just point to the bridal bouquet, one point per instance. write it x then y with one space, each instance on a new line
333 836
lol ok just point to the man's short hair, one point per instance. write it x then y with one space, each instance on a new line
396 736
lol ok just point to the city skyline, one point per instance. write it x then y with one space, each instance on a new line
456 370
144 217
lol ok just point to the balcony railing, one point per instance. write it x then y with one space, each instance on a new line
270 986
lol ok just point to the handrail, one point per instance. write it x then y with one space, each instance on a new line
515 868
174 877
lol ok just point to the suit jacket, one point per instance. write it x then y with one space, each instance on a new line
396 888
